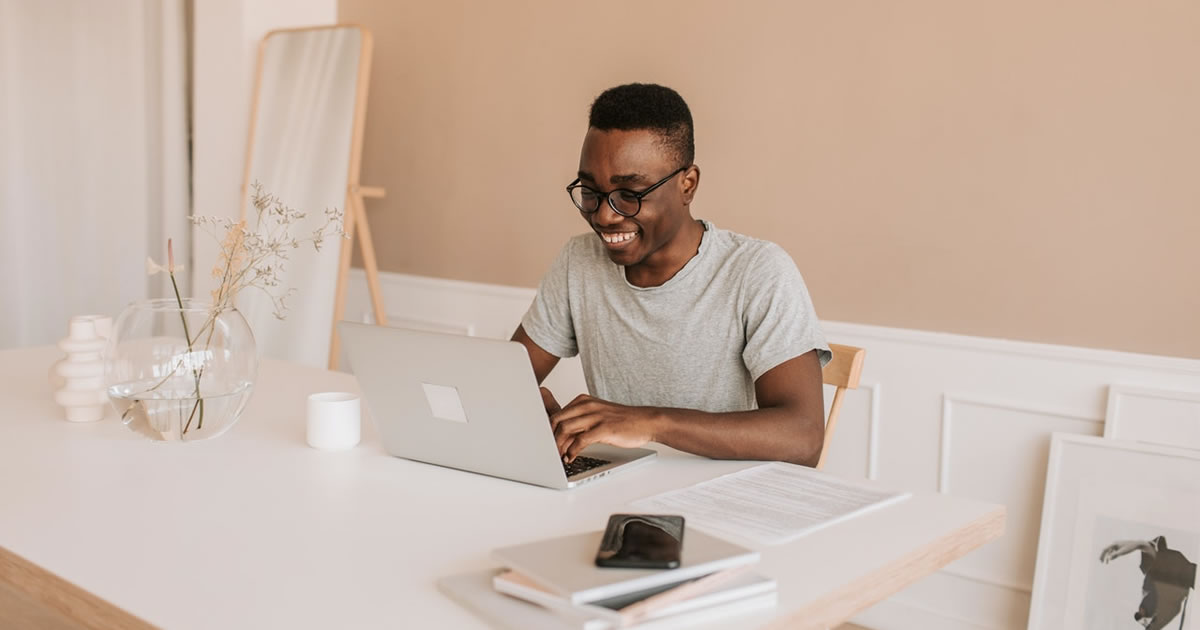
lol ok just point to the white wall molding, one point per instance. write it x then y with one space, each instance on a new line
390 279
1046 412
873 444
1023 587
431 325
897 614
1155 416
1006 346
855 447
1041 409
948 402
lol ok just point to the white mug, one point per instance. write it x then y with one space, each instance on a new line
334 420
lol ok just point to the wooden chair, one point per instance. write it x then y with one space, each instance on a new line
843 372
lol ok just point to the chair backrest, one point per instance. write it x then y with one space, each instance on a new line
843 372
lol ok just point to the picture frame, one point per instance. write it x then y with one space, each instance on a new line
1154 416
1109 505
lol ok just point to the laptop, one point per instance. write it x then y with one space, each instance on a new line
468 403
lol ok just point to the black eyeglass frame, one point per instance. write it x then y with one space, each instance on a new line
608 195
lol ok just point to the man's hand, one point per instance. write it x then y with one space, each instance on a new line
587 420
789 424
552 406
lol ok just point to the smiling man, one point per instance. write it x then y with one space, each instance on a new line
691 336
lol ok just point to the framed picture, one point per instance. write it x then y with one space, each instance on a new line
1120 537
1155 416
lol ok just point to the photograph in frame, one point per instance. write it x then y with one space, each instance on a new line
1147 569
1120 537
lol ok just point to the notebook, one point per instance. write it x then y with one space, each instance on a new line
738 584
474 592
566 565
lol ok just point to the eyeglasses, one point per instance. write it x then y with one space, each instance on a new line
625 202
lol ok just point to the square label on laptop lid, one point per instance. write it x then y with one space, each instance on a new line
444 402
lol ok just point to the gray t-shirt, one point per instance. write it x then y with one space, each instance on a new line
699 341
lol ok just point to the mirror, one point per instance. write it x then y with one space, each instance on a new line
305 149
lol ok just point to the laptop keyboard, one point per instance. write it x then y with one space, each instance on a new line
583 464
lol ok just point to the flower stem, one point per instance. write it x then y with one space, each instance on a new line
188 337
182 317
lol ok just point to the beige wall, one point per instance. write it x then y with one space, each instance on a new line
1020 169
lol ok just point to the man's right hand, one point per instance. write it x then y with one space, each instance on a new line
552 406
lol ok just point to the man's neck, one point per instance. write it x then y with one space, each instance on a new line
656 270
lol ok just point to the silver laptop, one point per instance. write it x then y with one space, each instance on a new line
468 403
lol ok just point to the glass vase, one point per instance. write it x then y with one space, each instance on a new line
180 374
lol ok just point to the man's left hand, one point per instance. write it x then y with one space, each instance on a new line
588 420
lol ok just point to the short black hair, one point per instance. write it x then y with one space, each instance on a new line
647 106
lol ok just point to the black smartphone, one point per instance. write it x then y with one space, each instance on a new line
641 541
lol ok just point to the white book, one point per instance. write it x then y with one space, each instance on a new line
659 602
566 565
517 585
474 591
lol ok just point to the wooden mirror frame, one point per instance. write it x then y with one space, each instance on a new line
355 223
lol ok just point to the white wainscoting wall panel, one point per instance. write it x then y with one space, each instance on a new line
936 413
982 437
854 451
1155 416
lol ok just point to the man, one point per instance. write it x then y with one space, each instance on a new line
1169 579
690 336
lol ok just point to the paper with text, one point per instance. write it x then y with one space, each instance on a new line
771 503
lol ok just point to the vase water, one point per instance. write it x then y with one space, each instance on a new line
180 373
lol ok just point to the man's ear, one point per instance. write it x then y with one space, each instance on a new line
688 183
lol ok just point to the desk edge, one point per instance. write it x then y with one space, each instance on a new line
843 603
64 598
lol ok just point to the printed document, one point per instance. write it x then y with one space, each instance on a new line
771 503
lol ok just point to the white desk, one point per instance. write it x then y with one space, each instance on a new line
254 529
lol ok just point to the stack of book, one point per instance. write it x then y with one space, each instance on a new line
555 584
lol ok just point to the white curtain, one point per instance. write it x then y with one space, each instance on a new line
93 158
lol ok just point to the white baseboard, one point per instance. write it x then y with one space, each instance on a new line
894 614
999 399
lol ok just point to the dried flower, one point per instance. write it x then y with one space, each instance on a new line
154 268
248 258
257 257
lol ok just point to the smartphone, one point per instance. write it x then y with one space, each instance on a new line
641 541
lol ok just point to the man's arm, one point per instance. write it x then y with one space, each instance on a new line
789 424
543 362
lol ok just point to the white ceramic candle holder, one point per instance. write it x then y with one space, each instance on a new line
334 420
79 378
